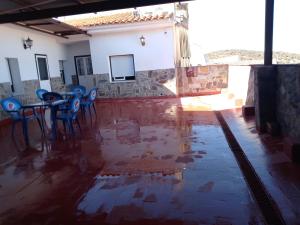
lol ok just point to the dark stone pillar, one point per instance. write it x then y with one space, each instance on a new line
269 19
265 96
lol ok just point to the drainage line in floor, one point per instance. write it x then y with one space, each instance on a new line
264 200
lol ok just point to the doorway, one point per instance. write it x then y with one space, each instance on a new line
84 71
43 71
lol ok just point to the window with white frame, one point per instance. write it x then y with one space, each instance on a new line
122 67
42 66
83 65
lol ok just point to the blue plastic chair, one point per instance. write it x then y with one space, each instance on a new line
70 115
79 90
18 114
39 93
89 101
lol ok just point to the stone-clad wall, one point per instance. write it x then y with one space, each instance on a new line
27 97
288 100
166 82
5 91
201 79
57 84
147 83
277 98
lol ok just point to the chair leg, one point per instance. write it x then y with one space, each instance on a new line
13 128
78 124
94 108
71 126
82 112
90 112
64 124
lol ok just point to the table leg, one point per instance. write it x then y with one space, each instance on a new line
25 131
53 122
43 120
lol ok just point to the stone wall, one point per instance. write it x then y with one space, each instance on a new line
201 79
164 82
265 89
57 84
28 97
5 91
146 83
288 100
277 98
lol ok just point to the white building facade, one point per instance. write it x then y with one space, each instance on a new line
136 58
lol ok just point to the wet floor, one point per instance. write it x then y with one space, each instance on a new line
137 162
278 173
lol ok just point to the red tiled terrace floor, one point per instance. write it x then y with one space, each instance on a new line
138 162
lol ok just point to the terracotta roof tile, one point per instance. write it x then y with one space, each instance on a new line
120 18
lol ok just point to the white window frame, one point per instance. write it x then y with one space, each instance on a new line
84 64
37 56
121 79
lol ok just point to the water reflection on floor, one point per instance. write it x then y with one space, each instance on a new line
138 162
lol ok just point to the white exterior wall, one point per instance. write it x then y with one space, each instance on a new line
74 49
11 40
158 53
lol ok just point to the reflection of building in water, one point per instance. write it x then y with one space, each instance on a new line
184 129
154 141
128 131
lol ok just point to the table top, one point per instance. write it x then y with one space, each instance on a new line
44 104
58 102
72 93
68 93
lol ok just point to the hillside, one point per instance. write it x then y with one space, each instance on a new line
237 56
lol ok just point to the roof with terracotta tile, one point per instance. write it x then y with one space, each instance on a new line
119 18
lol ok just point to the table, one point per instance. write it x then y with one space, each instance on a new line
53 107
68 93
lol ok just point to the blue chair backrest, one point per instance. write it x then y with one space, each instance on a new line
75 105
12 106
39 93
79 90
51 96
93 94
